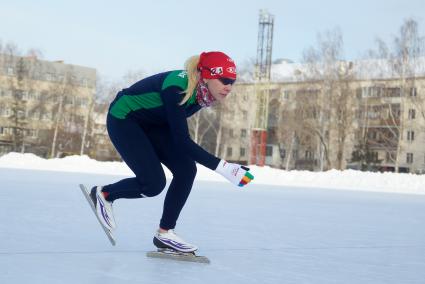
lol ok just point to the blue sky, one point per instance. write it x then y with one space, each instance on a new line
117 36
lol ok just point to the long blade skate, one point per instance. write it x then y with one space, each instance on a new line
90 201
176 255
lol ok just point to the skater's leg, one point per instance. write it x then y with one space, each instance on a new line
136 150
184 172
183 169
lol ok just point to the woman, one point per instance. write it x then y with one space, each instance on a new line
147 125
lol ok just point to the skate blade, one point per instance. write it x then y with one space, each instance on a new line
89 200
176 255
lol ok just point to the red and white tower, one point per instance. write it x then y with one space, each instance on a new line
262 88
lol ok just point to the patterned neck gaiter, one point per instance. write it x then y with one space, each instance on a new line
203 95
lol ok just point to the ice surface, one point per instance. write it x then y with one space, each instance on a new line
257 234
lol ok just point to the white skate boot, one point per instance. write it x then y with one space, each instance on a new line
169 239
103 208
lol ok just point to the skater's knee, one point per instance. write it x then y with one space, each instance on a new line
155 189
155 186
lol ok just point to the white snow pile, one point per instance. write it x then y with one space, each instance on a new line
333 179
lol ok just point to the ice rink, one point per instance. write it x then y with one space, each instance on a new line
258 234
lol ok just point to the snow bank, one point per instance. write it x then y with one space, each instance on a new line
348 179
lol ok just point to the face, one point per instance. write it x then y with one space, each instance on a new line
217 89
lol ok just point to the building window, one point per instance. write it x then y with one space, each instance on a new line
81 102
242 152
229 152
6 112
6 131
359 93
372 135
20 114
365 92
50 77
393 92
244 115
285 95
69 100
390 156
33 96
231 133
409 158
358 114
308 155
412 113
282 153
34 115
413 92
368 92
32 133
10 71
46 116
410 135
375 156
243 133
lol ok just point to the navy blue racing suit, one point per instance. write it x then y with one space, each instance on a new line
148 126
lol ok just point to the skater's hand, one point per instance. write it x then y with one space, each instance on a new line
235 173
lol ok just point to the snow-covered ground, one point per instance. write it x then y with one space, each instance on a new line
259 234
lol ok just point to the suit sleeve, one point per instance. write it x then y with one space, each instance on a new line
177 121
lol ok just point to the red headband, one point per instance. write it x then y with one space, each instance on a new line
216 64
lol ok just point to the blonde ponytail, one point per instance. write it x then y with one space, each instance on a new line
191 66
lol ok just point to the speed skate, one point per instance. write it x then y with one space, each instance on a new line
93 207
172 254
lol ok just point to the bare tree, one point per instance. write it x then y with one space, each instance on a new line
342 112
329 111
288 126
64 132
84 138
402 62
362 153
408 46
220 135
201 123
132 76
98 143
17 71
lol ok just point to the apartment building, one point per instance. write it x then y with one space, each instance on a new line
237 120
308 130
43 105
394 118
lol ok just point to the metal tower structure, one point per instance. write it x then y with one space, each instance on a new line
262 88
